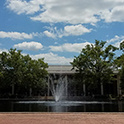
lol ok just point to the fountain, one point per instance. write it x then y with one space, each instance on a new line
58 87
59 83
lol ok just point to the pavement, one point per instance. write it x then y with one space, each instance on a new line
61 118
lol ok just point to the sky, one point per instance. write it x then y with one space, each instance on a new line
57 30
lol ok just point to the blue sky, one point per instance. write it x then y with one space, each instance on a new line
57 30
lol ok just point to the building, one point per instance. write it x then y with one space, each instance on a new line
65 71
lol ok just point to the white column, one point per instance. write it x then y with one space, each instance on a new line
84 89
102 92
118 85
48 90
66 85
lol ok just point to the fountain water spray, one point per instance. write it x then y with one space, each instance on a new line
57 87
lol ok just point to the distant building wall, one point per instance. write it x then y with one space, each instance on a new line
66 70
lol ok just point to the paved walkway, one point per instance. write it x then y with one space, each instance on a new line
61 118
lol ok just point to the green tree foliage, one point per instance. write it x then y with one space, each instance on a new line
122 46
94 64
3 69
34 73
15 64
21 72
122 78
120 63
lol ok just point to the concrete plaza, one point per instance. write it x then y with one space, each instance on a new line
61 118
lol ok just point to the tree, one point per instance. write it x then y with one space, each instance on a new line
3 71
122 78
120 63
94 64
21 71
122 46
15 65
34 73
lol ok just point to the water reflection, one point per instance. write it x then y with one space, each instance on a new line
64 106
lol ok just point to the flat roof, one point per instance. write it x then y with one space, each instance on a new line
64 69
60 69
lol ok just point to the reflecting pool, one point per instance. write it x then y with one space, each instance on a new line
63 106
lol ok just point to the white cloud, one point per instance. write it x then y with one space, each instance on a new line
76 47
117 13
113 15
116 40
16 35
49 34
51 59
22 6
70 11
3 50
29 46
75 30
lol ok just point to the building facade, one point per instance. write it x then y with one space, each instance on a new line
66 72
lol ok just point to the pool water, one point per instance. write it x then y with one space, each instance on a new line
63 106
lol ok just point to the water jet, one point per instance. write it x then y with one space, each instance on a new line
58 87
